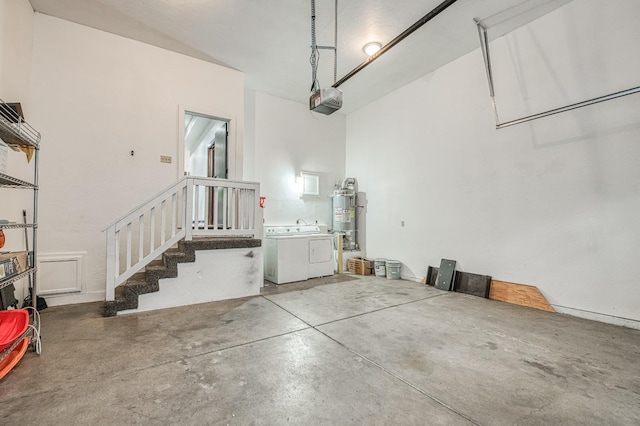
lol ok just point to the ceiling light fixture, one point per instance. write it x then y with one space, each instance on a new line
372 48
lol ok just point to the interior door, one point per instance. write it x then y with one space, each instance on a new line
205 154
217 167
220 168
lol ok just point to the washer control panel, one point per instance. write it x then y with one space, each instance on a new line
275 231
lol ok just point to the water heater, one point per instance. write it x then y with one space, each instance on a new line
344 213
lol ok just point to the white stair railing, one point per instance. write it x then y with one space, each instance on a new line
193 206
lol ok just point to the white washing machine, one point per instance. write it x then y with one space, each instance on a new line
296 253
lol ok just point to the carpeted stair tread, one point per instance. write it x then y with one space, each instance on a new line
125 299
173 251
155 263
171 259
219 243
140 276
141 287
158 272
156 267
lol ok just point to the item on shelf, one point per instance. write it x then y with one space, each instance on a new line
3 239
12 112
13 263
28 151
8 297
13 324
14 357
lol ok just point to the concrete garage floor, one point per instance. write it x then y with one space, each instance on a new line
367 351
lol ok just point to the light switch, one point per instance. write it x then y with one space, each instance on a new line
165 159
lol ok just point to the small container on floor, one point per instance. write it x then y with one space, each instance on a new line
393 269
379 266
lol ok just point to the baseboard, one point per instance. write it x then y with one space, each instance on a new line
595 316
72 299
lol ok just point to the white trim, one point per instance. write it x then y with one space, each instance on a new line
239 208
72 299
595 316
77 258
180 136
308 191
235 153
411 278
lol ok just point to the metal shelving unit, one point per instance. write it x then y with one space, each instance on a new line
18 134
11 182
17 225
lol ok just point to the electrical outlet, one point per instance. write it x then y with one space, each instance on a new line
165 159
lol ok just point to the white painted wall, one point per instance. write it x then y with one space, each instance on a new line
16 38
16 42
95 98
282 138
553 203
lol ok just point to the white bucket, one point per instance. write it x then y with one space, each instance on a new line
379 266
393 269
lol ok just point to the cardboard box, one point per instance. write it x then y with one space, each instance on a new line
13 263
360 266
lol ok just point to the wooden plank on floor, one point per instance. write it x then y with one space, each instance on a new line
519 294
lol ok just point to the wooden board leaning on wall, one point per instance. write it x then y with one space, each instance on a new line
519 294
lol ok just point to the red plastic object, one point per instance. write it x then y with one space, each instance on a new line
12 324
14 357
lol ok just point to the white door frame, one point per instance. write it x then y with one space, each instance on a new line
234 159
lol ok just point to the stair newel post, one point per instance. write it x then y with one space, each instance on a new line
258 214
188 214
110 291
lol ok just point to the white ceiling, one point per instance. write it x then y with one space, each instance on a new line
269 40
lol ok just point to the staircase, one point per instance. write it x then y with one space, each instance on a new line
127 294
196 214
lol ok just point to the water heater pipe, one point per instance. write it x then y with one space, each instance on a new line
347 181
